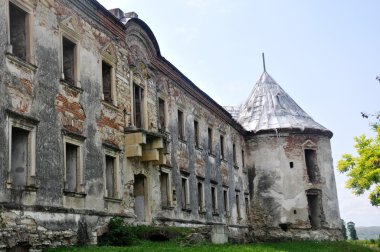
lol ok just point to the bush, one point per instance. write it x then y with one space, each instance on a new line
121 234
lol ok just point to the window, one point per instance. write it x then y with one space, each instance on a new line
107 80
196 133
234 154
73 166
238 214
161 115
311 165
222 156
22 139
226 202
112 177
181 125
19 32
138 103
246 206
165 183
201 206
214 202
209 134
316 215
185 193
69 60
242 159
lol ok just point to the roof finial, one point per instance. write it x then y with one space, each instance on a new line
264 62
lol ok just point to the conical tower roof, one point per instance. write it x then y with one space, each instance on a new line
270 107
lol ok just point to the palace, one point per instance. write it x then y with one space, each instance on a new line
96 123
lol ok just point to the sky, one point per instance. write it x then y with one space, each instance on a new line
325 54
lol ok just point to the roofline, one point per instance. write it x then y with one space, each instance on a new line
328 133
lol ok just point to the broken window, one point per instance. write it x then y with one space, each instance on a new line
185 193
164 182
68 57
19 37
214 200
238 213
180 125
138 101
225 201
111 175
107 81
222 156
200 197
209 134
311 165
20 157
73 165
314 201
234 154
161 115
196 133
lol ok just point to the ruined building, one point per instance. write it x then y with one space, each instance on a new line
95 123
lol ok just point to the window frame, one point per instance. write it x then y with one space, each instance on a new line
226 201
222 147
210 140
162 125
168 187
80 162
186 193
116 175
214 199
181 124
113 93
201 198
142 105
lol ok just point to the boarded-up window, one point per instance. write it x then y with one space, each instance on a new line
20 157
311 165
164 180
107 81
68 54
161 114
111 177
18 31
72 168
138 101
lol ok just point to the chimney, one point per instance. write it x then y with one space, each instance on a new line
123 17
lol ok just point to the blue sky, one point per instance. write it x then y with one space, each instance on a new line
324 54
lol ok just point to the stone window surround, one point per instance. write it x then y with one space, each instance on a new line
144 103
202 204
183 124
226 204
75 38
169 186
80 176
215 187
210 140
28 8
116 179
18 121
187 193
238 205
166 114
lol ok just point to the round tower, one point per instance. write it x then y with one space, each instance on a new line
291 175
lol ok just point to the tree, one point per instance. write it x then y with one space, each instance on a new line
352 230
364 170
344 230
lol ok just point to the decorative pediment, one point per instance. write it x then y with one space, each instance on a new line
308 144
70 26
109 52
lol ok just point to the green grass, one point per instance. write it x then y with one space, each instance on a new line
259 247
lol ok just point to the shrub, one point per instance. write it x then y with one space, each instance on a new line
119 234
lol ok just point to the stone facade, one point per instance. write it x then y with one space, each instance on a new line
95 123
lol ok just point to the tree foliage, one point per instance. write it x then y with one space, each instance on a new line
363 170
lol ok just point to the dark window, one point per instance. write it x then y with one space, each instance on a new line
222 147
72 168
225 198
200 196
20 157
315 210
196 133
185 204
111 177
291 164
242 159
213 199
311 165
138 99
164 179
246 206
238 206
107 81
68 54
234 154
180 125
209 134
161 114
18 31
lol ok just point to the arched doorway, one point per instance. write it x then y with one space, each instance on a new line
140 194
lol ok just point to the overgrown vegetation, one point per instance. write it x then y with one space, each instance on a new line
121 234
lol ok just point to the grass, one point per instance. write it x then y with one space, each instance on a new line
173 246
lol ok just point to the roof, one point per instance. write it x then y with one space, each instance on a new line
269 107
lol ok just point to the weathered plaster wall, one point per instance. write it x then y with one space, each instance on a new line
279 191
